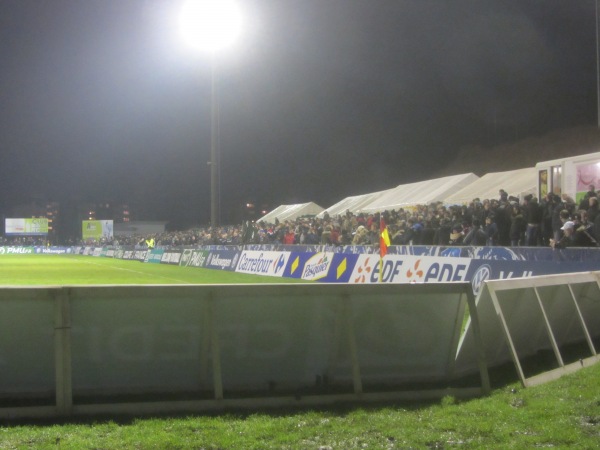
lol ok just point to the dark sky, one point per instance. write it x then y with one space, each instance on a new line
320 100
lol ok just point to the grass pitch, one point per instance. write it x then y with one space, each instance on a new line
64 270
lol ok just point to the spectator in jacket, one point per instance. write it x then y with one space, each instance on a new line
533 214
491 230
456 236
518 226
476 235
568 238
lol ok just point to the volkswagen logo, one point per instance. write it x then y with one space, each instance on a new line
482 274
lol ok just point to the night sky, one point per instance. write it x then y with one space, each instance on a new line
320 100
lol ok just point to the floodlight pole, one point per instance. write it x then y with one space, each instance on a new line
214 145
211 25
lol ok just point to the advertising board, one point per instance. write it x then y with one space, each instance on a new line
193 258
263 263
26 227
222 259
13 250
97 229
409 269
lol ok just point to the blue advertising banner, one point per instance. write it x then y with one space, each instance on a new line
347 268
361 264
53 250
308 266
341 268
481 270
222 259
500 253
295 265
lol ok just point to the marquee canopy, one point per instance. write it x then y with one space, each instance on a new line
352 204
518 183
291 212
420 193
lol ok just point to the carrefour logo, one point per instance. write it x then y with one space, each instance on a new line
279 264
264 263
258 264
482 274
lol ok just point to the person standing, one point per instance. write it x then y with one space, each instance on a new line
533 215
150 243
518 226
491 230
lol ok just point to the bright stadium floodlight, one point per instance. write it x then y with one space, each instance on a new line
211 26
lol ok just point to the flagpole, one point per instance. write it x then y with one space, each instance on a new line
384 242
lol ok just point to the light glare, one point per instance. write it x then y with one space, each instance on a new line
210 25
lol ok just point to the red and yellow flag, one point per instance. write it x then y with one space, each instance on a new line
384 238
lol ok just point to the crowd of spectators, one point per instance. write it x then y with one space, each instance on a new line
25 241
507 221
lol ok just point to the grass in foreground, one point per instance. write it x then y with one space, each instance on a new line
561 414
51 270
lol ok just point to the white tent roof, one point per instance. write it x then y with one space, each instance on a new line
420 193
515 182
574 159
291 212
352 204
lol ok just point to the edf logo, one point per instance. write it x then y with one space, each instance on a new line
391 269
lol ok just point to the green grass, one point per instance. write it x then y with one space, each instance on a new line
561 414
74 269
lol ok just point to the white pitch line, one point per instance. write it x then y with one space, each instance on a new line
133 271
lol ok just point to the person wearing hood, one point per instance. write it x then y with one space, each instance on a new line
533 214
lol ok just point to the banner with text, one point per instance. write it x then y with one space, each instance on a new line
26 227
97 229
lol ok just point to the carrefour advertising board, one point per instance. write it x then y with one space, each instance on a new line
263 263
26 227
97 229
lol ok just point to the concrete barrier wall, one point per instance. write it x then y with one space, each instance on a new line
153 349
93 349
